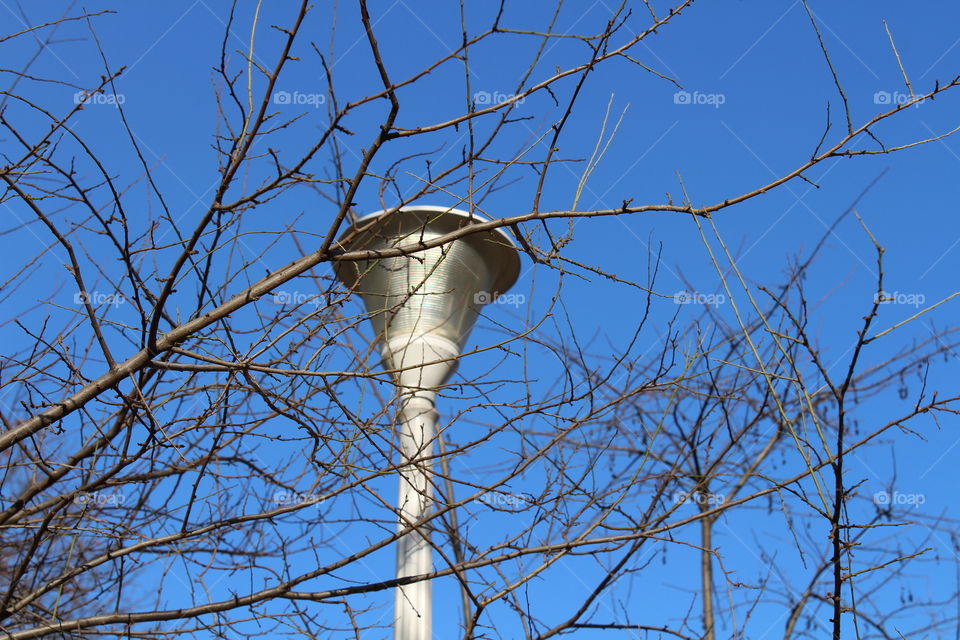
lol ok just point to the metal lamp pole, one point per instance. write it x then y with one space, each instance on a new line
422 307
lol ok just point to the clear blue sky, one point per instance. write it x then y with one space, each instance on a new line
752 107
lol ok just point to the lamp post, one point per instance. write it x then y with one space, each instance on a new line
422 307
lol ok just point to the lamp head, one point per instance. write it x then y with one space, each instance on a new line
430 298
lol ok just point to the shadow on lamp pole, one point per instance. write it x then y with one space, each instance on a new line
422 307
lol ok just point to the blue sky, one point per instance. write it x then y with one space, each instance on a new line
748 103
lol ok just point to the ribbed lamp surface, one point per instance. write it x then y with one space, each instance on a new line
437 291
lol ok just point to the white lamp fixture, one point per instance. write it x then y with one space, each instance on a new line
422 306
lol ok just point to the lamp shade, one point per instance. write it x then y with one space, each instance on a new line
435 293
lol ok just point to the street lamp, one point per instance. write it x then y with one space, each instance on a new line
422 306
